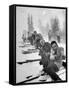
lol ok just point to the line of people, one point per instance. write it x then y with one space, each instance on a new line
35 38
51 55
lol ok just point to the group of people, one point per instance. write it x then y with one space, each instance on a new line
51 55
35 38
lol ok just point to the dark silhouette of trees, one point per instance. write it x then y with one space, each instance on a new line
54 32
30 24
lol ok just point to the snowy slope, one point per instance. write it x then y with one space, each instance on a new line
32 69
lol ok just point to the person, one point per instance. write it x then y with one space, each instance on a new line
30 38
58 53
45 53
38 38
49 66
33 36
23 38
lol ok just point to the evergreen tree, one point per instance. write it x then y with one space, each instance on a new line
55 25
55 29
30 24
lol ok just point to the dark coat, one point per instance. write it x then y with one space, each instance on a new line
45 54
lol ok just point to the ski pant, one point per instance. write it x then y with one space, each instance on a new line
51 70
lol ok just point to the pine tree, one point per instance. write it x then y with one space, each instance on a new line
55 25
55 29
30 24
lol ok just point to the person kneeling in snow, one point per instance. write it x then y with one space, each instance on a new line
49 66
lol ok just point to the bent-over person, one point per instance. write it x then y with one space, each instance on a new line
49 66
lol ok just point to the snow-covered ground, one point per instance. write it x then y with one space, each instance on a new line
32 68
